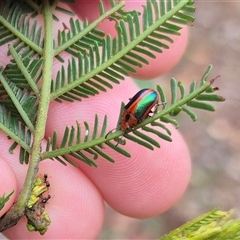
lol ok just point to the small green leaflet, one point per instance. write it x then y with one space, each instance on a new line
4 199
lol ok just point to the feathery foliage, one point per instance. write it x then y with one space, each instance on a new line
4 199
96 62
215 224
71 142
89 71
94 70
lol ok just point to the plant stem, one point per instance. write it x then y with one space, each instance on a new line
44 100
12 217
94 142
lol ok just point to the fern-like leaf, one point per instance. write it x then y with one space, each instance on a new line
25 73
77 37
4 199
91 71
17 131
178 104
89 147
84 146
15 25
215 224
20 103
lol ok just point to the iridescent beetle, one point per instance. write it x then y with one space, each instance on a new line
138 109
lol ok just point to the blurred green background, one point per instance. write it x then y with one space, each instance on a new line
214 140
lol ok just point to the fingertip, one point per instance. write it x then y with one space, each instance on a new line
76 208
145 185
148 183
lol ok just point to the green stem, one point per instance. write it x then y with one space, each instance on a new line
43 105
94 142
18 209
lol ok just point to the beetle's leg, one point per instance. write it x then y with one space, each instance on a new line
110 132
157 105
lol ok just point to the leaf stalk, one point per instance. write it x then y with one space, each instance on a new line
17 211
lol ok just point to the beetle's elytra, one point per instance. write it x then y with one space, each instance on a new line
138 108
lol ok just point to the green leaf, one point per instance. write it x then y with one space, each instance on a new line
120 55
159 134
146 138
15 23
20 100
215 224
10 125
5 199
139 141
192 115
200 105
210 97
76 145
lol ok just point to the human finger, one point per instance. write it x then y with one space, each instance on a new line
75 202
159 175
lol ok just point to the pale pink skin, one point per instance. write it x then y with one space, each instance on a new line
145 185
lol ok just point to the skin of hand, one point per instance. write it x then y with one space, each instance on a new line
145 185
